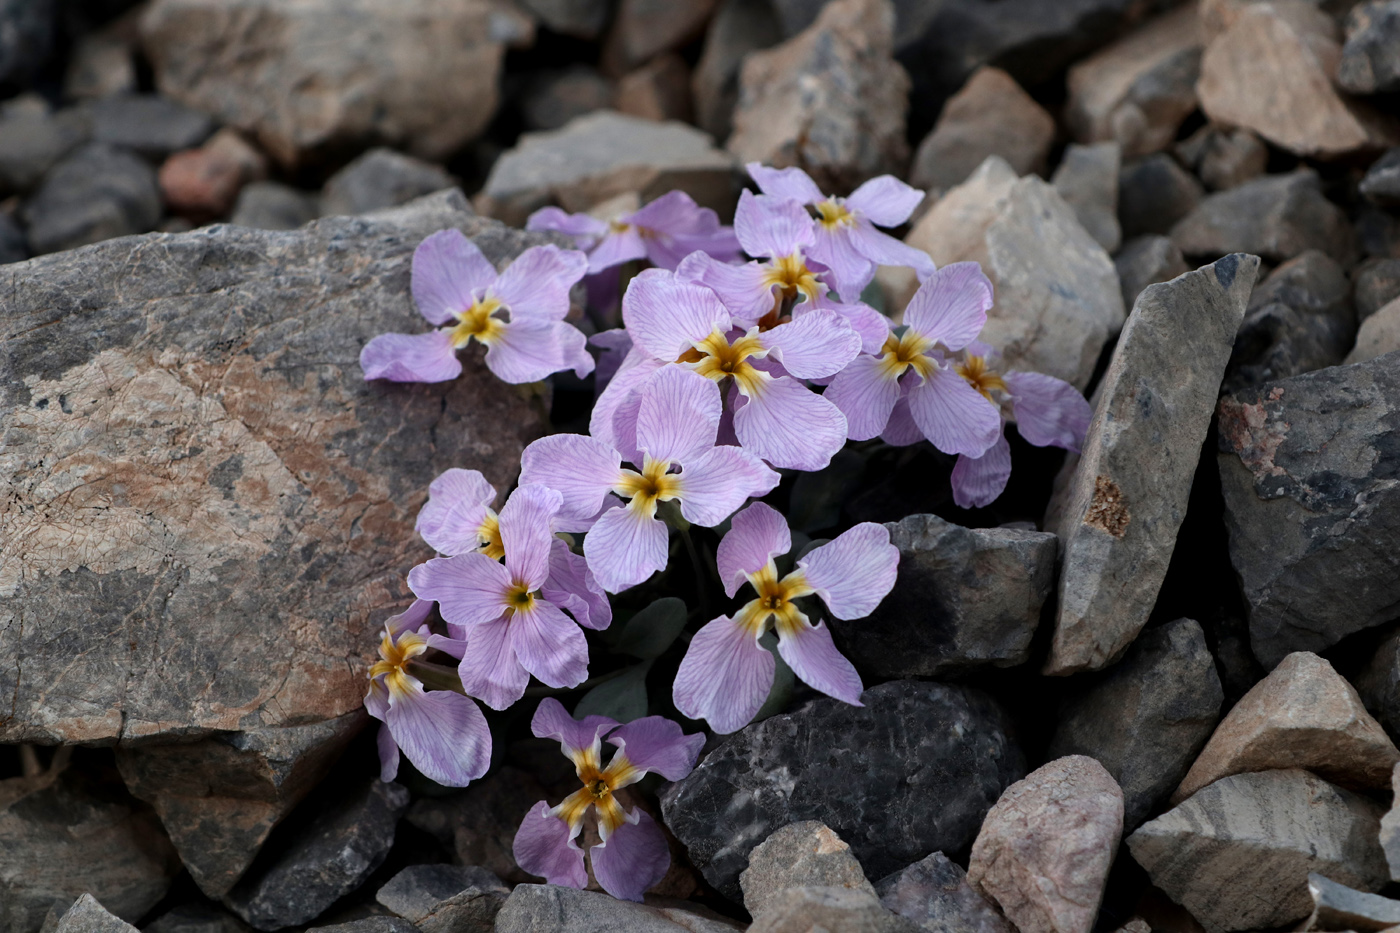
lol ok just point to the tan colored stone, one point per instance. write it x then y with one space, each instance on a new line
738 28
805 854
1303 715
1046 846
1379 334
643 29
829 910
659 90
1271 71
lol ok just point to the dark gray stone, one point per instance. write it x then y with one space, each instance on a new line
1379 683
582 18
934 893
1147 719
1309 469
1147 260
1377 284
1338 907
915 770
965 598
1223 158
546 908
27 30
369 925
271 205
738 28
97 193
1155 192
1377 232
150 124
445 898
325 860
480 822
1382 181
88 916
1087 178
378 179
196 918
33 140
12 240
1371 57
1276 217
550 99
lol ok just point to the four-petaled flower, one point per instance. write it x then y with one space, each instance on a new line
726 674
633 854
518 315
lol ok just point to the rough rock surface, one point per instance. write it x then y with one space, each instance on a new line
196 917
1308 469
378 179
545 908
644 29
1155 192
1376 284
204 183
659 90
582 18
1149 717
830 100
1087 178
739 27
479 823
271 205
1303 715
445 898
1338 907
187 437
1223 158
805 854
1378 335
1382 182
917 768
1378 683
1370 62
1147 260
829 910
965 598
1238 853
33 140
88 916
97 193
1127 496
1044 851
1275 217
150 124
934 893
1390 829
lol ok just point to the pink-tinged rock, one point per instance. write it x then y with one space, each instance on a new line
203 183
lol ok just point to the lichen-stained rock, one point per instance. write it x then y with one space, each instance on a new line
88 916
1127 496
205 510
914 770
1309 470
965 598
1276 217
1238 853
831 100
935 894
804 854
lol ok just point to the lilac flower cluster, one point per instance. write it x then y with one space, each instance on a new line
725 371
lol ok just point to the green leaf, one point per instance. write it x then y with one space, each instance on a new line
783 681
650 632
874 296
623 698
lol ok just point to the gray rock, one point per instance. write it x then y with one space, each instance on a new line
935 894
1087 178
1382 181
550 99
1378 683
965 598
1370 61
643 29
1154 193
1376 284
1223 158
33 140
1146 260
88 916
932 759
445 898
101 64
1148 718
378 179
546 908
1238 853
271 205
829 910
1377 232
479 823
27 29
275 468
13 246
97 193
324 861
150 124
1275 217
1125 500
582 18
1309 480
196 918
369 925
738 28
805 854
1390 828
1338 907
57 909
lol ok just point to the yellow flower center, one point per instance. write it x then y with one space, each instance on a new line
519 598
490 534
393 660
599 790
479 321
974 369
900 353
831 214
775 602
718 359
648 487
791 275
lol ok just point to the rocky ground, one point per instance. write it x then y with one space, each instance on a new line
1155 686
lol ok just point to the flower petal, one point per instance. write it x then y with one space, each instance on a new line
835 248
951 306
388 753
448 273
665 315
411 619
552 721
581 468
411 357
813 657
741 288
528 350
625 547
724 677
884 250
617 247
866 393
545 847
450 521
549 645
678 414
657 744
791 426
977 481
637 368
792 183
886 200
468 588
772 227
667 252
634 858
819 343
586 229
536 284
443 734
872 326
853 572
525 532
1049 411
674 213
757 535
715 483
902 431
953 415
572 587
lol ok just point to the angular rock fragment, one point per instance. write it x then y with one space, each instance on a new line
1127 496
965 598
203 183
480 822
88 916
1378 335
33 140
1276 217
550 99
380 178
1376 284
659 90
368 925
1338 907
1312 506
1238 853
582 18
935 894
1370 62
196 918
1303 715
271 205
915 770
545 908
1087 178
1382 181
97 193
1154 193
804 854
445 898
1147 260
1378 683
738 28
150 124
644 29
1223 158
1390 828
830 910
13 245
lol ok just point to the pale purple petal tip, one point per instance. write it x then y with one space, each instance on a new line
529 350
790 426
757 535
581 468
411 358
953 415
771 227
388 754
525 532
468 588
543 846
951 306
665 315
885 200
866 394
572 587
717 482
536 284
443 734
790 183
584 228
1049 411
813 657
489 669
634 858
552 721
448 274
977 481
724 677
451 519
678 414
624 547
853 572
549 645
901 430
411 619
658 744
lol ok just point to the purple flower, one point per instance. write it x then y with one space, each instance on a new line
442 733
633 854
518 315
673 424
726 674
664 232
510 616
945 315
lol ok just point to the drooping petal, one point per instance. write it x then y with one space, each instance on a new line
792 183
902 431
657 744
953 415
634 858
741 288
791 426
411 357
388 753
411 619
884 250
581 468
715 483
724 677
772 227
549 645
813 657
544 847
584 228
819 343
535 286
665 315
951 306
572 587
528 350
853 572
615 346
525 532
678 414
617 247
448 274
667 252
674 213
886 200
443 734
625 547
552 721
866 392
450 521
468 588
1049 411
836 249
977 481
757 535
453 646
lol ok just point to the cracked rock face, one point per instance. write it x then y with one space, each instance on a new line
205 511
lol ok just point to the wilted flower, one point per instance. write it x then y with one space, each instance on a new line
726 674
633 854
663 232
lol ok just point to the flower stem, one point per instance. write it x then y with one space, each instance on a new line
437 676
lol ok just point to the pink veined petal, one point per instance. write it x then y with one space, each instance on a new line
536 285
655 743
819 343
791 426
953 415
552 721
772 227
872 326
453 646
489 669
835 247
468 588
977 481
674 213
581 468
448 273
792 183
528 350
634 858
715 483
525 532
813 657
636 369
724 677
584 228
853 572
757 535
377 698
678 414
624 424
884 250
886 200
443 734
951 307
667 252
740 288
866 393
902 431
411 357
615 346
411 619
625 547
549 645
665 315
617 247
571 587
1049 411
388 753
451 518
544 847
